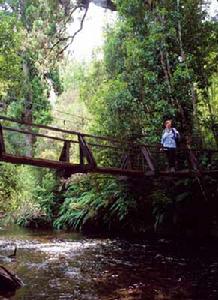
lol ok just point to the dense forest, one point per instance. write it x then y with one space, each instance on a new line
159 61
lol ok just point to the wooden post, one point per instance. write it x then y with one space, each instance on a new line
124 162
86 152
81 155
192 160
65 153
209 157
148 158
2 144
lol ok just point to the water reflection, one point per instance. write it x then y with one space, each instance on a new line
60 265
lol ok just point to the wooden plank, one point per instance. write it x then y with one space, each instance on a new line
39 162
77 168
138 173
117 171
70 168
187 173
2 144
179 150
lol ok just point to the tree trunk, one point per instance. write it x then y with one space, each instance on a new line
167 72
27 113
182 53
212 120
183 60
27 116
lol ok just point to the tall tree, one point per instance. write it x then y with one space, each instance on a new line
44 38
10 61
156 62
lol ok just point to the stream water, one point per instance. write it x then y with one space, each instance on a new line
60 265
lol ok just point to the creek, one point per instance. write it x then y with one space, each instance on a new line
65 265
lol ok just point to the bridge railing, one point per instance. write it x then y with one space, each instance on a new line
187 158
23 139
52 145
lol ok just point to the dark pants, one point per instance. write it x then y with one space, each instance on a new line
171 156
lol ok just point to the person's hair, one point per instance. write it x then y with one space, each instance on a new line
168 121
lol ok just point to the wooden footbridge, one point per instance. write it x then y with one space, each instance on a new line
71 152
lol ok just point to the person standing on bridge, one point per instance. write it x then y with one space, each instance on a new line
169 142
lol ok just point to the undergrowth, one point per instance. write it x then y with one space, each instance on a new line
93 202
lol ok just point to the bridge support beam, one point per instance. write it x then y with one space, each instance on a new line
85 152
147 155
192 160
126 162
65 153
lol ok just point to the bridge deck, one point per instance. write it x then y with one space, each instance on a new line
77 168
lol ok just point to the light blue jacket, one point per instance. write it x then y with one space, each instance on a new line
168 139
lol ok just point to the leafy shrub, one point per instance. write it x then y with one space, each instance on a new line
95 202
161 203
26 193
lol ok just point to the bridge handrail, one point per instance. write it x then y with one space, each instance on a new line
38 134
77 133
59 129
52 128
54 137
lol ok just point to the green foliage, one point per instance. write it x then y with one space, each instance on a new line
26 193
41 108
97 204
161 202
44 193
72 74
159 61
30 47
10 185
151 68
27 213
10 61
